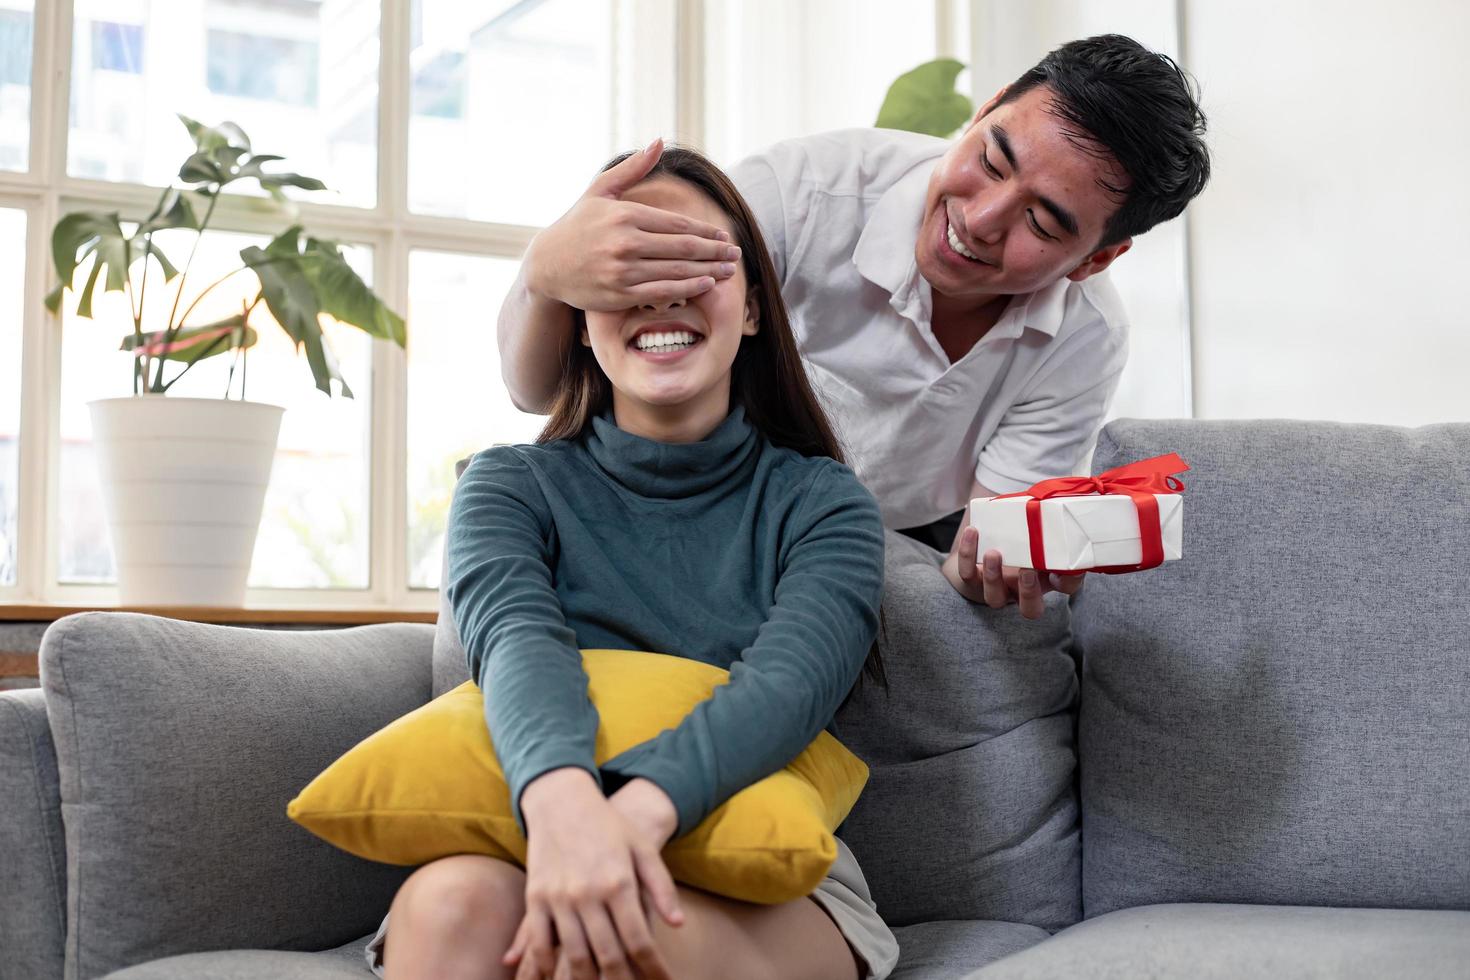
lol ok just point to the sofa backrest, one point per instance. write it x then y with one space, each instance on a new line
178 746
1283 716
32 842
970 811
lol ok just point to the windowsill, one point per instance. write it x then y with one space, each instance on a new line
18 612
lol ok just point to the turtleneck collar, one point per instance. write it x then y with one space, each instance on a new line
673 470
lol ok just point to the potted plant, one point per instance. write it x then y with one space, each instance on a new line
184 479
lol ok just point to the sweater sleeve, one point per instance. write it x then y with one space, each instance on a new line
789 682
518 645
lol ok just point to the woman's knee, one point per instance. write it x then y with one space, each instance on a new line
465 889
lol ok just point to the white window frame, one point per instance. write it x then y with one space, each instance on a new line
45 191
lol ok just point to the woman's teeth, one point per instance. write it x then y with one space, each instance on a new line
958 246
663 342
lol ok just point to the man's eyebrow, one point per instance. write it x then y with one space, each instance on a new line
1063 217
1003 140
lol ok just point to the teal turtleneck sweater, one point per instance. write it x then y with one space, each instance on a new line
730 551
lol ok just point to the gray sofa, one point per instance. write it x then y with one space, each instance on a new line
1252 762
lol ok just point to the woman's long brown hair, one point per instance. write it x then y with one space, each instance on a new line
767 377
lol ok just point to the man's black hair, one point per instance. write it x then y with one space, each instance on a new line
1140 108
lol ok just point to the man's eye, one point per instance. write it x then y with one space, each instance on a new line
985 162
1037 225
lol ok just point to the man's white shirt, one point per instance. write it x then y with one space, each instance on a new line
841 213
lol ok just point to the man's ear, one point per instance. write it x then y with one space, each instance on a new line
1099 260
752 323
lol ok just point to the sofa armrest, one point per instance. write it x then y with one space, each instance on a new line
178 746
33 869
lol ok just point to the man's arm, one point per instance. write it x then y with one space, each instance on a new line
992 583
603 254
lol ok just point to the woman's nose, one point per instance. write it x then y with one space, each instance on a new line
659 306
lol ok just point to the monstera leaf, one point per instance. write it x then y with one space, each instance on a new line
925 101
222 155
194 344
301 279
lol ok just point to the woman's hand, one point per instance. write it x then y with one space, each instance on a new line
585 862
610 254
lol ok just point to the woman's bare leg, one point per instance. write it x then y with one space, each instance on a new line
722 938
453 919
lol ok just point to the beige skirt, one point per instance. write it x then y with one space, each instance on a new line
843 894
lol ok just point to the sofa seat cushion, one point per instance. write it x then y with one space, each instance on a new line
346 962
952 949
1203 941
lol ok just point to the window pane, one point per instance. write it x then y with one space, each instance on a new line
452 358
300 76
15 84
823 64
12 289
314 530
516 103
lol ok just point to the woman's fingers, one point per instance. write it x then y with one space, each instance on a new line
654 875
535 946
632 923
607 945
573 943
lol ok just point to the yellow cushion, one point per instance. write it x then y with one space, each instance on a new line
429 785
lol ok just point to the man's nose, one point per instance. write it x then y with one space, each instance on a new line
988 217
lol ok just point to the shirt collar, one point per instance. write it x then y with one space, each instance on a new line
885 257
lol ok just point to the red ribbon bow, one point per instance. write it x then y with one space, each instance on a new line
1140 480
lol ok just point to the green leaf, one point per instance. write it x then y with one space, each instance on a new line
53 298
201 168
292 180
207 139
924 100
173 211
84 233
195 343
342 293
169 269
84 305
292 300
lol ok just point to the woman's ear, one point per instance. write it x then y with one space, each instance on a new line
586 339
752 323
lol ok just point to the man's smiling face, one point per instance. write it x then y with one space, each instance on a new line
1021 201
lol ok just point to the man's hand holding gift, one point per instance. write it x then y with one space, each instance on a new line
1127 519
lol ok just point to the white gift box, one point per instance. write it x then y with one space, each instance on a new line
1077 533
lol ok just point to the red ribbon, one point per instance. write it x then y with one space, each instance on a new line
1140 480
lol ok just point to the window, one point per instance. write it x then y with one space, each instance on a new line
117 47
506 109
15 86
12 267
446 360
301 77
272 69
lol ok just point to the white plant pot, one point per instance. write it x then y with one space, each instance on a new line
184 483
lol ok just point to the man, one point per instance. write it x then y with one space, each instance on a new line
948 296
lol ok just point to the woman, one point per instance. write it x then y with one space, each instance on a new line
686 497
